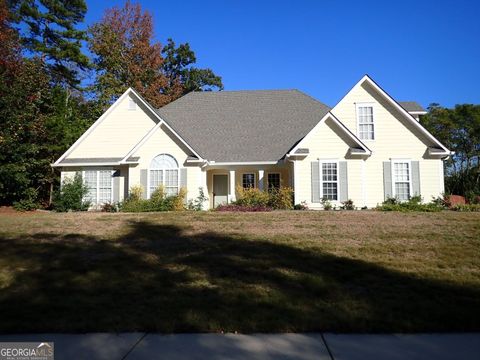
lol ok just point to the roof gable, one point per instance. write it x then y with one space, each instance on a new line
404 113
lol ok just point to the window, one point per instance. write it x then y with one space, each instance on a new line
365 122
329 180
248 180
99 183
273 181
90 180
401 180
132 105
164 171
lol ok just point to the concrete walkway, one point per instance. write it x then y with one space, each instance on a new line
140 346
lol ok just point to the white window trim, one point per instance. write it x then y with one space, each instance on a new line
112 171
329 161
163 179
279 177
365 104
254 178
398 161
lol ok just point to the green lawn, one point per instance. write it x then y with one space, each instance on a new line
247 272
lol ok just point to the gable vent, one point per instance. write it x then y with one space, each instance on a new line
132 105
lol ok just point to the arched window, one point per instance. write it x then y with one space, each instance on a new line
164 171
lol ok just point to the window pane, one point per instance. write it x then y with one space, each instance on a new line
105 186
171 182
156 178
90 181
330 190
402 190
401 172
248 181
329 171
273 181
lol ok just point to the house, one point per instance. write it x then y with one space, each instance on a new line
367 148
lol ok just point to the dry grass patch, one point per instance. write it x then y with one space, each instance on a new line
277 271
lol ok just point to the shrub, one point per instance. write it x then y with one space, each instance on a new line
242 208
252 197
466 208
70 197
135 193
348 205
327 205
159 201
414 204
280 199
197 204
301 206
29 201
178 201
109 207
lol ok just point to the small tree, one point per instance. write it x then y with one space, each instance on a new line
71 195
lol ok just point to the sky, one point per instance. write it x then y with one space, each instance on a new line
428 51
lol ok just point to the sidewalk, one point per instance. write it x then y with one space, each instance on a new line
140 346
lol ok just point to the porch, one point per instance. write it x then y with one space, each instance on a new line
223 181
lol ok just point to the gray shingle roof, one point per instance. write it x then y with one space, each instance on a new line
239 126
90 160
411 106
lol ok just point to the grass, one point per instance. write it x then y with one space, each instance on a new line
247 272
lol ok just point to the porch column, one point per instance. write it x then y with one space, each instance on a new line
232 186
260 180
296 183
203 184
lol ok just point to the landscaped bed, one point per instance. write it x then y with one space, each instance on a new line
247 272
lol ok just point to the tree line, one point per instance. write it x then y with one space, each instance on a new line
52 89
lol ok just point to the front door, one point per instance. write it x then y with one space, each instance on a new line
220 190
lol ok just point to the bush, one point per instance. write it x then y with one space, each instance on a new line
70 197
242 208
159 201
414 204
348 205
29 201
277 199
252 197
109 207
301 206
327 205
197 204
466 208
280 199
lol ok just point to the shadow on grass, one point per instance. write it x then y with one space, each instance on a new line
159 279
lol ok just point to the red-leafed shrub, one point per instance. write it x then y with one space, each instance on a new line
242 208
455 200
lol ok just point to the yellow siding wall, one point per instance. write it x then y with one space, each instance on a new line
162 141
325 143
117 134
394 138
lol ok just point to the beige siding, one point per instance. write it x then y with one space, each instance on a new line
162 141
395 138
326 143
117 134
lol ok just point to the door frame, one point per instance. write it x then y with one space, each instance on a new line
213 187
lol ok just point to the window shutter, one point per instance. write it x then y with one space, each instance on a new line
387 179
343 180
144 181
116 186
183 180
315 182
415 178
